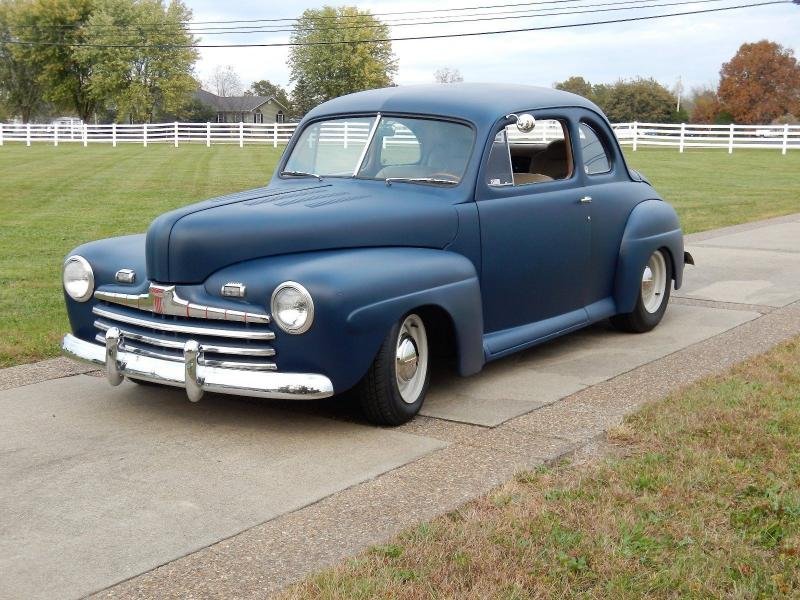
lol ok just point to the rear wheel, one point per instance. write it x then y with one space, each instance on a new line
394 388
653 296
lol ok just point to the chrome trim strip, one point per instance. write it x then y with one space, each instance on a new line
241 334
178 345
262 384
232 364
366 146
126 346
164 300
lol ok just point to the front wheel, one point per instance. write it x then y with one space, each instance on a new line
653 296
394 388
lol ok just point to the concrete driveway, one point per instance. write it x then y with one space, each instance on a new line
100 485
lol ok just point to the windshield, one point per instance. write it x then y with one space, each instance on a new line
403 149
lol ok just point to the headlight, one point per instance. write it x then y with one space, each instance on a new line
78 278
292 307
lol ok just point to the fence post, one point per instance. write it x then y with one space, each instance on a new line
730 141
635 135
241 134
27 134
144 134
208 134
85 135
275 135
114 135
345 134
1 134
783 150
55 135
683 136
176 134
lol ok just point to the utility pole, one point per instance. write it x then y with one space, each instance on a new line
679 91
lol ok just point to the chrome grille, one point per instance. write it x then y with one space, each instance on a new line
232 344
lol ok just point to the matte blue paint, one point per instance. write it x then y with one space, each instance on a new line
511 267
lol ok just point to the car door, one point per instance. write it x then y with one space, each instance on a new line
608 185
535 234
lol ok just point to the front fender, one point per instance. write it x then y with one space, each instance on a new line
652 224
358 295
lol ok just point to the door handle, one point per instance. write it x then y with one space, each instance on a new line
586 200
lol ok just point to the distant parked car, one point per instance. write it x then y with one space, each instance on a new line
426 231
67 122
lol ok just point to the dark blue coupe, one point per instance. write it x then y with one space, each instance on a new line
402 225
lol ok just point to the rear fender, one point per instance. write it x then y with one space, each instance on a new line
652 225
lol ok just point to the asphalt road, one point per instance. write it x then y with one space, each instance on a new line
99 484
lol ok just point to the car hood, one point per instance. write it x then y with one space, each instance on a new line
189 244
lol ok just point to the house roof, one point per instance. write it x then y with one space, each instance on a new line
476 102
234 103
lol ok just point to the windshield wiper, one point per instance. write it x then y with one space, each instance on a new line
301 174
390 180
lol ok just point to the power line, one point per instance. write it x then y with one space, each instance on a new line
443 22
283 20
427 11
409 38
588 9
397 22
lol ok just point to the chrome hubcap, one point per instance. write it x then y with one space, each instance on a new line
411 358
407 358
654 282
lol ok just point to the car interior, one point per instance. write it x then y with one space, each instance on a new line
542 161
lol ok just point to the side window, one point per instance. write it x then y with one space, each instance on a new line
595 157
498 167
541 155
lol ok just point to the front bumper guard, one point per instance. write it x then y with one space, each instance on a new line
190 374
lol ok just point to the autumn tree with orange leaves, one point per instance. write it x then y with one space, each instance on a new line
760 83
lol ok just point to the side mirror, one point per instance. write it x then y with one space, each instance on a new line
525 122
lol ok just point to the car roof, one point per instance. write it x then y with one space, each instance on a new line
481 103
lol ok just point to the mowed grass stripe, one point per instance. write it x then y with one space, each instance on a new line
53 199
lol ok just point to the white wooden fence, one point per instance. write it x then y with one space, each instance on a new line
636 135
683 136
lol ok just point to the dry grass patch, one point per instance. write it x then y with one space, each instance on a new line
702 500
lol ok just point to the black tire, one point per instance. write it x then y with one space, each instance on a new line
378 393
641 320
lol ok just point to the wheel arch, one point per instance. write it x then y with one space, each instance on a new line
652 225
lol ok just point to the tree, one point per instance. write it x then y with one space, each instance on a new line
268 89
20 89
325 71
639 100
705 105
154 73
57 28
635 100
225 81
447 75
760 83
576 85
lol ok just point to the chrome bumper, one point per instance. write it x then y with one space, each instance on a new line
195 377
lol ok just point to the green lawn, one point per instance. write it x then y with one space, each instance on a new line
699 499
52 199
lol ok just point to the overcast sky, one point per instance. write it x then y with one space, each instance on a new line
692 47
